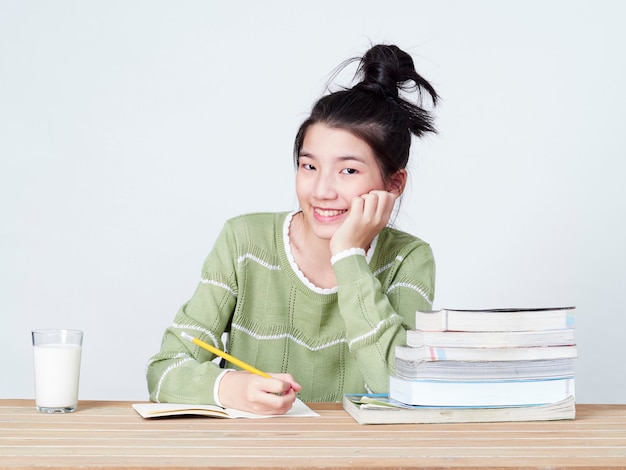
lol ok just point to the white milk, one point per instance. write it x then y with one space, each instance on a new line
57 369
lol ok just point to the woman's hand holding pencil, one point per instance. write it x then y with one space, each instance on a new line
252 389
249 392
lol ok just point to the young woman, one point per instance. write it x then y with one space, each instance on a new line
319 297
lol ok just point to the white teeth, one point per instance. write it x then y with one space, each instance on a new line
328 212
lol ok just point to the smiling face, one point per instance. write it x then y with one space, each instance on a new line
334 167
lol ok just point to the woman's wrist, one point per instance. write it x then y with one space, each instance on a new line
345 253
216 387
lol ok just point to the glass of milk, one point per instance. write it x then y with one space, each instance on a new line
56 355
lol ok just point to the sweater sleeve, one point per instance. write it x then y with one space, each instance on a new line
377 316
182 372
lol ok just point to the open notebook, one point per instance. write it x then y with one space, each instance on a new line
159 410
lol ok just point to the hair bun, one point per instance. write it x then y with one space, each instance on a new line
387 69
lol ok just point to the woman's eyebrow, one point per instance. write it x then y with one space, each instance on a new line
342 158
345 158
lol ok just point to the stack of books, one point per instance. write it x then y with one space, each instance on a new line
481 365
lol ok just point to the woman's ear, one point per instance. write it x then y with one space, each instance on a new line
397 182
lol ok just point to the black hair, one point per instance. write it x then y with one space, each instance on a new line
374 110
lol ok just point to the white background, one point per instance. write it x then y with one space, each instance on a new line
131 130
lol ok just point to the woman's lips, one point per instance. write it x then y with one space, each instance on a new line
327 214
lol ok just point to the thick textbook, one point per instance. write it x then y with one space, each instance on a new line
380 409
485 370
508 319
436 353
480 392
161 410
490 339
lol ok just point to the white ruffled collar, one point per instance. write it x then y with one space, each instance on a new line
296 268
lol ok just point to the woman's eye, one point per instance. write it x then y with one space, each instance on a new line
349 171
308 166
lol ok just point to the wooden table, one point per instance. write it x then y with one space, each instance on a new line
105 435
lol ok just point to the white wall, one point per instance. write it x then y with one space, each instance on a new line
130 130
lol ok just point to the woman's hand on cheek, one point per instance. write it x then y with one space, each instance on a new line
369 214
249 392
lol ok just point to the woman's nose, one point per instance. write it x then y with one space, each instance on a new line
325 187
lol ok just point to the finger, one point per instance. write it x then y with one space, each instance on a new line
288 378
384 205
357 205
277 385
385 197
270 403
370 206
383 193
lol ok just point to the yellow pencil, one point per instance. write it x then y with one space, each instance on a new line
225 355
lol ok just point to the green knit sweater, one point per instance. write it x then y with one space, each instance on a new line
333 341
